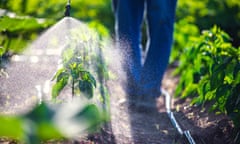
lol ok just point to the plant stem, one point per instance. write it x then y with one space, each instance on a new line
72 89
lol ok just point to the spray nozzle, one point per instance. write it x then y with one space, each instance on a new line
67 10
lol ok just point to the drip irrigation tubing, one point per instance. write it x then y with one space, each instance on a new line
173 120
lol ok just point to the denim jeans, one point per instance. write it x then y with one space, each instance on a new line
145 78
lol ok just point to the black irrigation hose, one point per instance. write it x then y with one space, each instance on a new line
173 120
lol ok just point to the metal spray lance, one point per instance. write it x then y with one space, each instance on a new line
67 10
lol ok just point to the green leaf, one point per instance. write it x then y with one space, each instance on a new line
196 100
205 88
91 115
11 126
40 124
63 76
221 91
190 90
74 71
2 51
209 96
17 24
89 77
62 81
92 79
236 73
86 87
41 113
228 79
202 86
217 77
47 131
58 73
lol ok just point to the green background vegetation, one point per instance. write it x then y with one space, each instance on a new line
201 56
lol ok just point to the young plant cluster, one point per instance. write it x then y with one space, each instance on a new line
81 61
73 72
210 72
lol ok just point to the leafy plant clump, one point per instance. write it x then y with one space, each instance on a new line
210 72
84 71
74 73
76 60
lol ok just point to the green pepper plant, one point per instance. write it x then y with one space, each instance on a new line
210 73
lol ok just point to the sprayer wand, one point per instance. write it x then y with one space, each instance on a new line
67 10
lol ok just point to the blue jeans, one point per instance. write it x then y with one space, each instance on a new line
145 78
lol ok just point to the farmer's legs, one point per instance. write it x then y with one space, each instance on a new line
128 19
160 17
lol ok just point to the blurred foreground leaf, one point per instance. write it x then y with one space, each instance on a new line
40 125
11 127
40 113
91 116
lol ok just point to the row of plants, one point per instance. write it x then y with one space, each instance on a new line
209 70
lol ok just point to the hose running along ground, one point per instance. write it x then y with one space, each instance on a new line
173 120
